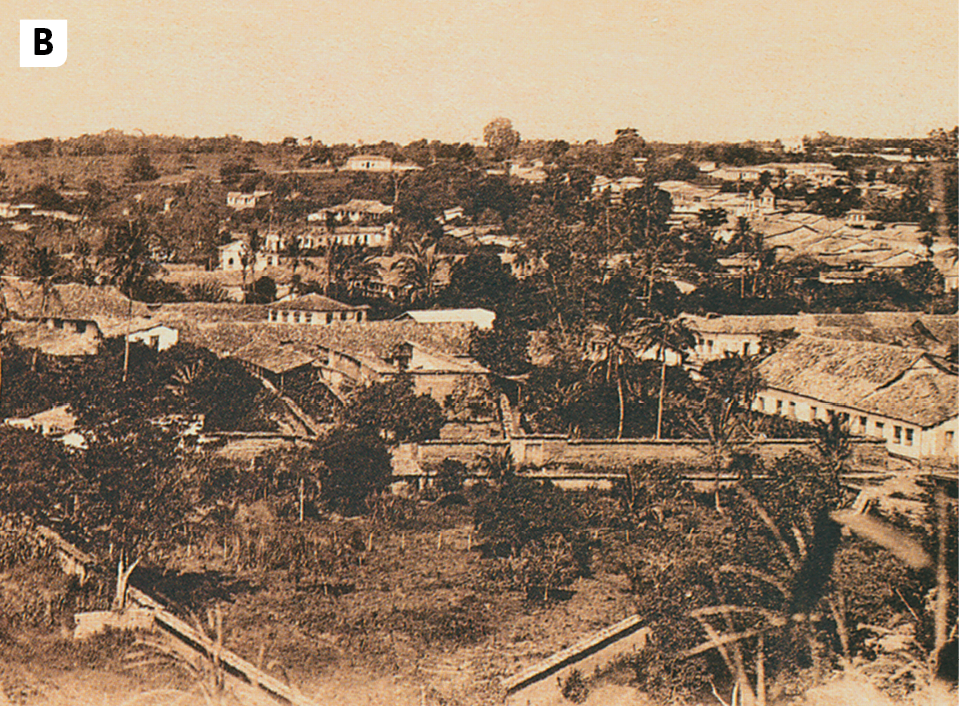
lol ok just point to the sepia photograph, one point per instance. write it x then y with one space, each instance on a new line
527 353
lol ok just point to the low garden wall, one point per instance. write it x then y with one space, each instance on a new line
561 451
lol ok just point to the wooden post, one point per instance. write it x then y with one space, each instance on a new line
941 606
302 492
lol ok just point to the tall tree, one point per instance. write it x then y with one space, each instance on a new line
42 265
131 266
619 312
501 138
665 334
4 309
349 267
417 268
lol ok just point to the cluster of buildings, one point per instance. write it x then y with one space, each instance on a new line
337 343
358 222
311 338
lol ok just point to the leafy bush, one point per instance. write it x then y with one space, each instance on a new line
534 534
393 411
356 466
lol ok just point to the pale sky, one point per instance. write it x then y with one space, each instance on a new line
368 70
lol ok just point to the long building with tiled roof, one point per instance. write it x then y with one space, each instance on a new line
903 395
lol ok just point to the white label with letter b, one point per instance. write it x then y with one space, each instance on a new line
43 42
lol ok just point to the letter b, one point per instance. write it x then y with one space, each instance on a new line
43 42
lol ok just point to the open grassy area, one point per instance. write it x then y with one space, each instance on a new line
413 611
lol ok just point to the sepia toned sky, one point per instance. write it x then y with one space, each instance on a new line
404 69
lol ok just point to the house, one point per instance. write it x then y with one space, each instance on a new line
902 395
232 255
366 211
56 421
432 372
363 222
148 332
739 335
479 318
240 201
77 318
533 173
435 356
315 310
376 163
744 335
368 163
615 187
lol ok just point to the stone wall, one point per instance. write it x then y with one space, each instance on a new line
561 451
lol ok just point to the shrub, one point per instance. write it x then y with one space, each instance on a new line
356 465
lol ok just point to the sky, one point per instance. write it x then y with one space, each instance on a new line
371 70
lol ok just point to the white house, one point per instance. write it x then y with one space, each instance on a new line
240 201
376 163
315 310
902 395
480 318
231 255
368 163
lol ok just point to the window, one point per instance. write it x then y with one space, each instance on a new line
950 437
709 344
779 406
343 316
746 348
862 423
792 408
880 428
813 413
909 433
897 434
329 317
762 404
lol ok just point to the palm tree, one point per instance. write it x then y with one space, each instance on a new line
296 256
418 267
665 334
131 267
620 319
42 265
348 266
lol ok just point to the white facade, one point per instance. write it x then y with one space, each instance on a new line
315 318
159 337
369 163
902 438
240 201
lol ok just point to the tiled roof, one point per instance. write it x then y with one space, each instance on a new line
483 318
743 324
210 312
835 370
925 396
314 302
377 338
73 301
269 355
890 380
